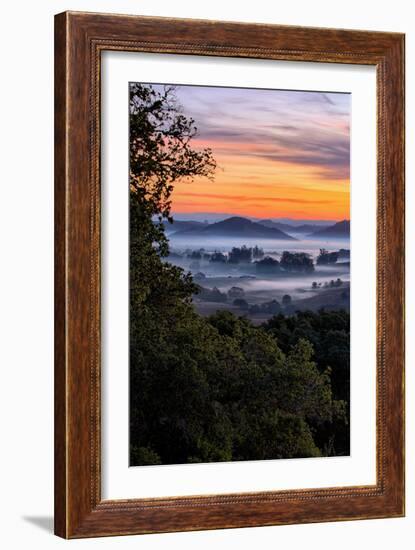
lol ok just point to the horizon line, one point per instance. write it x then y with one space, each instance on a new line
238 215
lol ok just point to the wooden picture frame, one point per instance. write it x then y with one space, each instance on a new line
79 40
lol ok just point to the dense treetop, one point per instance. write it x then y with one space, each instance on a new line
217 388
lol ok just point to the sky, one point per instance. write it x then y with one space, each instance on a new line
279 153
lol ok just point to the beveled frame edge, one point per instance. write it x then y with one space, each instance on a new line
79 40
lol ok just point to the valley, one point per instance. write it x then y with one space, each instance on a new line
257 270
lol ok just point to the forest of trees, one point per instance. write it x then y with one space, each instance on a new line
325 257
216 388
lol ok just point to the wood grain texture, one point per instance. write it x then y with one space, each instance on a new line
79 40
60 277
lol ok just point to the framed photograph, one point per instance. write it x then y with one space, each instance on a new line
229 275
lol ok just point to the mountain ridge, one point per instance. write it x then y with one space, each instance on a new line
236 226
287 228
339 229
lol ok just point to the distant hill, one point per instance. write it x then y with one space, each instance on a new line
236 227
209 217
331 299
340 230
276 225
180 225
304 228
294 222
307 228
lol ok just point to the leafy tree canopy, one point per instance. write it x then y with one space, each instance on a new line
217 388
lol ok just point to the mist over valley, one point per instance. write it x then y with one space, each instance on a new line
261 268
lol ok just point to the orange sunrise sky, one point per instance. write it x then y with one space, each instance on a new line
280 154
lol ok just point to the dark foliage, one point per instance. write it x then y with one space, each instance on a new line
241 303
218 257
215 389
326 258
240 255
329 334
211 295
257 253
267 265
300 262
343 254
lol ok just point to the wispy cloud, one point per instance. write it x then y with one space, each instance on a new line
248 198
260 138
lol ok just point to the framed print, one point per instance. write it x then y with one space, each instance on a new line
229 275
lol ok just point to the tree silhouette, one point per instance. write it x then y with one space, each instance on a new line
160 156
217 388
161 152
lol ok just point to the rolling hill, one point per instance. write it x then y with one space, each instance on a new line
287 228
235 227
307 228
340 230
276 225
